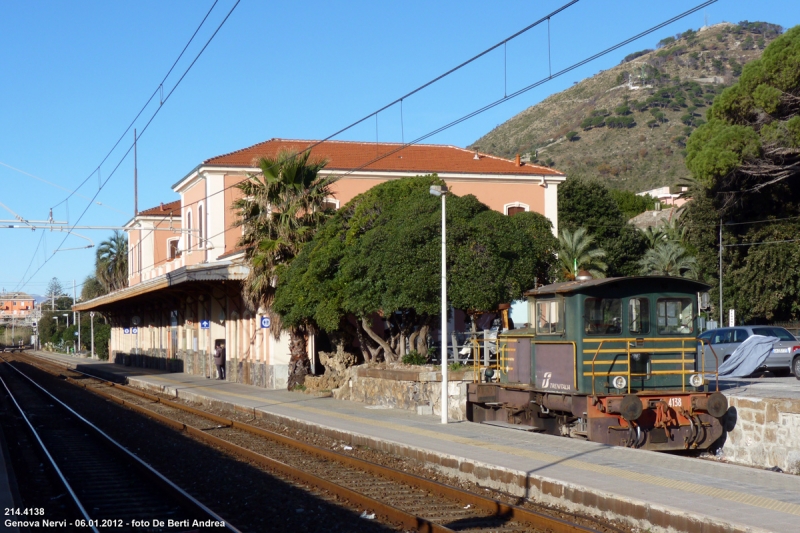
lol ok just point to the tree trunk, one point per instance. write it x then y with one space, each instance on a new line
388 354
422 340
299 364
412 341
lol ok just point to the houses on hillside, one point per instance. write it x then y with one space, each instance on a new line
15 304
184 293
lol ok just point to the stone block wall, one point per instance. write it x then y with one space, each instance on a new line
764 432
200 364
403 389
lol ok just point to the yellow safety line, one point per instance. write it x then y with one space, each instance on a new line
685 486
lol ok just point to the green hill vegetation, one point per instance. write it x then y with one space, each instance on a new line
628 125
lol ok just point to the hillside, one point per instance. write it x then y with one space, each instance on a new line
628 125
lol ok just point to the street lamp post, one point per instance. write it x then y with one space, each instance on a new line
66 318
441 190
91 315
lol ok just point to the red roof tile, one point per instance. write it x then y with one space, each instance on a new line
172 208
386 157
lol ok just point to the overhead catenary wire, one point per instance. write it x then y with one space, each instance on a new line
60 187
155 113
474 113
485 108
414 91
147 103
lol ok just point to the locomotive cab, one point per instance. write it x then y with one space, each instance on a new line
611 360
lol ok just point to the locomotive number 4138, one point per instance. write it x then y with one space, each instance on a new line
675 402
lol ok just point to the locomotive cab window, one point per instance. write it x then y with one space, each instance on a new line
639 316
674 316
548 317
603 316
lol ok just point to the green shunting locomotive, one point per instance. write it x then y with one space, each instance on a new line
611 360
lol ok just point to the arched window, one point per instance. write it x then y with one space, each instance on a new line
515 207
189 231
200 224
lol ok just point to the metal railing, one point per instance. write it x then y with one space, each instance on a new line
636 345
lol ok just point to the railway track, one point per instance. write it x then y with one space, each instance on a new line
110 487
396 497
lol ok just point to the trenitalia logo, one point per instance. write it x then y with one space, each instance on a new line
547 385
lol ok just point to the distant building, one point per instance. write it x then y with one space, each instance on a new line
652 219
15 304
185 270
667 195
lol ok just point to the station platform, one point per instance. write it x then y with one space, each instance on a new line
648 490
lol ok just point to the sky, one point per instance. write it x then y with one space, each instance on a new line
76 74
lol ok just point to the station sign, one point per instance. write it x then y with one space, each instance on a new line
265 322
205 324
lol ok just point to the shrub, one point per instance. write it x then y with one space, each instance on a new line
414 358
455 367
572 136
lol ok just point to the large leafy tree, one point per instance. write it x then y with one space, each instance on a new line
745 162
380 257
111 262
577 252
590 204
752 138
280 211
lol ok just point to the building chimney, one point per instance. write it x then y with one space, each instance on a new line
519 163
162 206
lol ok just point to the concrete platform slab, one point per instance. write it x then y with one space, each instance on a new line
653 491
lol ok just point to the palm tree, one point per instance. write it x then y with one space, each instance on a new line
576 253
281 210
668 259
111 262
653 235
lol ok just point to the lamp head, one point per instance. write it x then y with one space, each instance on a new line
438 190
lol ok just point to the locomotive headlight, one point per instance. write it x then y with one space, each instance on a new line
696 380
619 382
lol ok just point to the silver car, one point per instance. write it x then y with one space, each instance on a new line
785 356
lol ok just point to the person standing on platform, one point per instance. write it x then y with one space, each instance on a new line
219 360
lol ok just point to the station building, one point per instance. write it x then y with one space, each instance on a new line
185 270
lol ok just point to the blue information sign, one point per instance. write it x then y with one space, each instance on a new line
205 324
126 331
134 331
265 322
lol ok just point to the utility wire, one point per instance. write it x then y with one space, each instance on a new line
125 155
157 90
474 113
60 187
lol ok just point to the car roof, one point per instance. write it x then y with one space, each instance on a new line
726 328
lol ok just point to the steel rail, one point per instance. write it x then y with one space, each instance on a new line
50 457
496 507
127 452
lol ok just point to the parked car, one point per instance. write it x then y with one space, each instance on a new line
785 356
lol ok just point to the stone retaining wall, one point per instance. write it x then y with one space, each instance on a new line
199 364
414 390
764 432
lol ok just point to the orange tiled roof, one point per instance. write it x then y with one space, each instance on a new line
172 208
418 158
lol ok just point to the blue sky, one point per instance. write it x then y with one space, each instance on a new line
76 73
